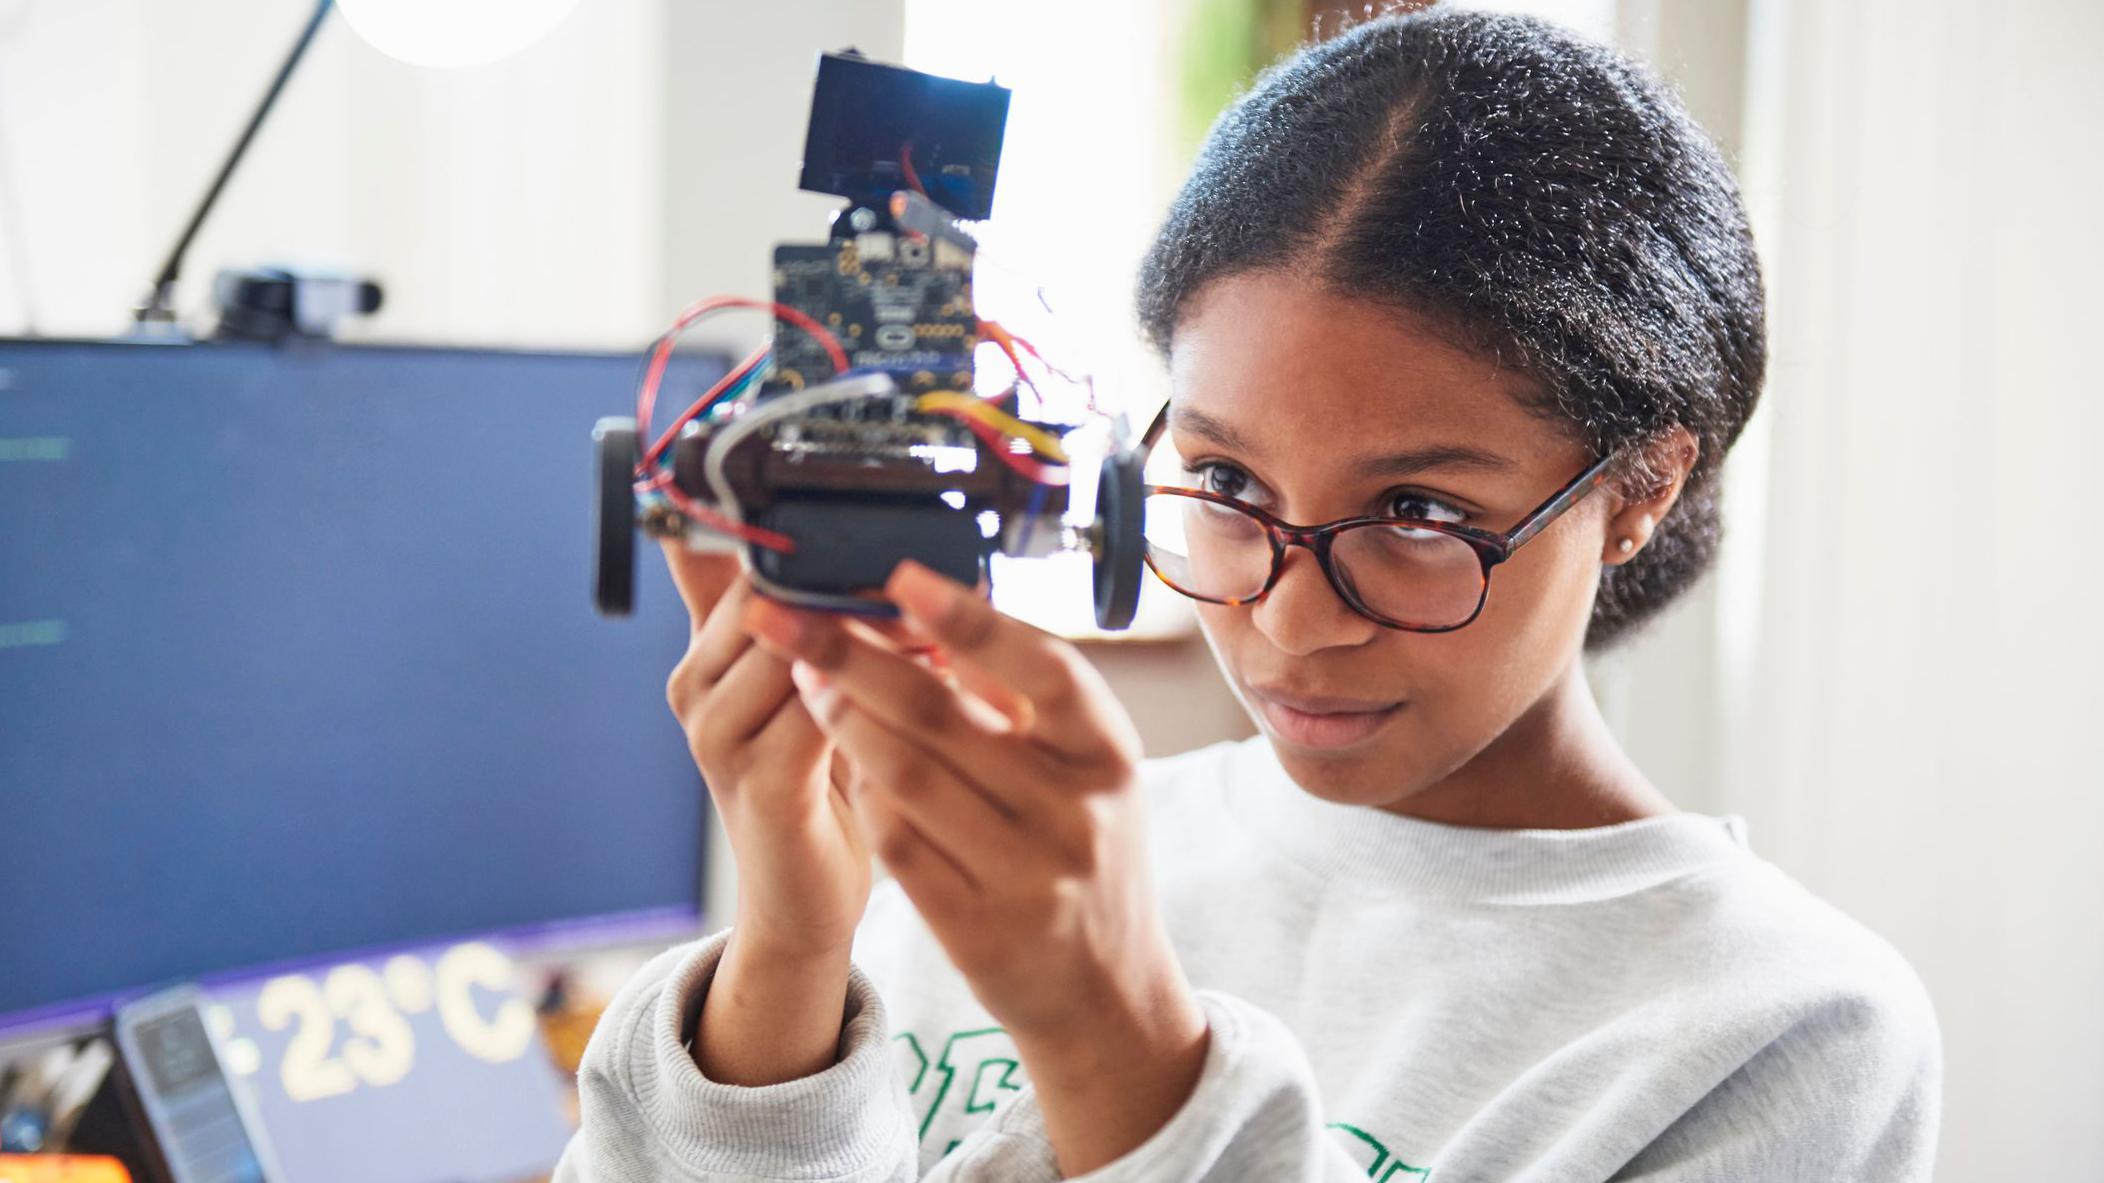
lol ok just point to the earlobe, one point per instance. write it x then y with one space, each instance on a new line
1626 540
1630 527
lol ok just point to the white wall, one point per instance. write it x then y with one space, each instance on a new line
737 77
508 204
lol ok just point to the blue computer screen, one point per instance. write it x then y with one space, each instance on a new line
297 656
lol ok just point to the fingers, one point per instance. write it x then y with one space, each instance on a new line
746 699
1010 711
932 878
719 640
702 579
1070 711
907 697
791 734
727 691
976 832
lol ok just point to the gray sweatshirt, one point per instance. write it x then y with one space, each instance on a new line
1389 999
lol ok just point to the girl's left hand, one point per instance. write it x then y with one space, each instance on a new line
1005 801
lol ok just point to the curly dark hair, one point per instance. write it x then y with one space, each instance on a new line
1540 195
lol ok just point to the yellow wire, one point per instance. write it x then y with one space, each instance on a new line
978 408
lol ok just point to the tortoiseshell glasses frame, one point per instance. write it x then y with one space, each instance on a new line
1491 547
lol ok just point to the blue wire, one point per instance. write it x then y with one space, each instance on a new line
736 392
1030 512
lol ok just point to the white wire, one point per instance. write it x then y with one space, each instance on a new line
780 407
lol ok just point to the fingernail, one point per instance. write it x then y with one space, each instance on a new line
931 656
817 692
773 622
921 593
809 679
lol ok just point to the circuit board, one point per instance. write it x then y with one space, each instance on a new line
900 304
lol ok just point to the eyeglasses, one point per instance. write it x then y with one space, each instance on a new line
1412 574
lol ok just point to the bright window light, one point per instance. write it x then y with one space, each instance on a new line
1087 169
447 33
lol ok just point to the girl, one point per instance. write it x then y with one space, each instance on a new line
1461 315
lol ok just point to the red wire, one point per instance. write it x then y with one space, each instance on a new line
906 166
1056 371
1020 374
1032 351
1029 466
1041 359
701 405
646 396
757 535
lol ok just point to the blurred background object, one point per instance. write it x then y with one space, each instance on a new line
61 1168
1891 673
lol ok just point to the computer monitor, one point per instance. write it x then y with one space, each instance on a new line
297 658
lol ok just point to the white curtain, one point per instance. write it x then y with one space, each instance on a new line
1907 626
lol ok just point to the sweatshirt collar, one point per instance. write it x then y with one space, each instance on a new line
1369 845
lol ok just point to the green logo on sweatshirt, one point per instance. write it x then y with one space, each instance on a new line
1385 1167
973 1070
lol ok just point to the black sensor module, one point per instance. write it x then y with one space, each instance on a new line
876 129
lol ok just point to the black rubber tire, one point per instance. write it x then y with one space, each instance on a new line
614 546
1120 542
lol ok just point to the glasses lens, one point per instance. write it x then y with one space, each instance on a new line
1203 548
1410 576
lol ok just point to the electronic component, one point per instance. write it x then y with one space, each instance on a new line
856 439
897 302
274 303
877 129
204 1130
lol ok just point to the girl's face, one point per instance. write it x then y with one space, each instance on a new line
1306 404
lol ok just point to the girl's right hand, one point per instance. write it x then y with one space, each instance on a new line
779 786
